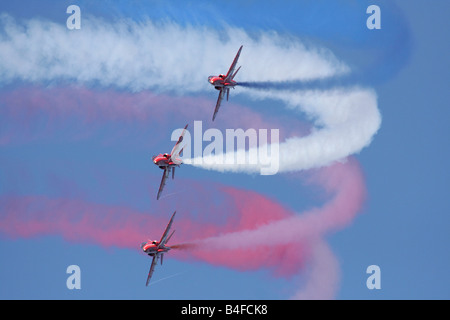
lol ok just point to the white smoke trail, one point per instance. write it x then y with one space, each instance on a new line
150 55
345 119
166 56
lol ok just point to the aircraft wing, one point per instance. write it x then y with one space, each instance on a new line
165 237
230 73
152 268
163 181
177 148
219 100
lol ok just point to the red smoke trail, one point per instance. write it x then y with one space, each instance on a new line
344 181
257 233
28 114
253 232
119 226
290 240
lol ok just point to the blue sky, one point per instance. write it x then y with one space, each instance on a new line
402 227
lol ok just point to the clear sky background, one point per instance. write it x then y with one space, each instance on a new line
75 162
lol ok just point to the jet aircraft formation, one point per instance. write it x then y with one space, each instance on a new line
169 161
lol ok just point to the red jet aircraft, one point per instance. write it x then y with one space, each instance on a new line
224 82
156 249
168 162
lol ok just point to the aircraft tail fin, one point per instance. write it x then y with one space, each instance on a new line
234 74
178 148
170 236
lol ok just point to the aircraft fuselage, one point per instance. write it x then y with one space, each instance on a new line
218 82
151 248
163 160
